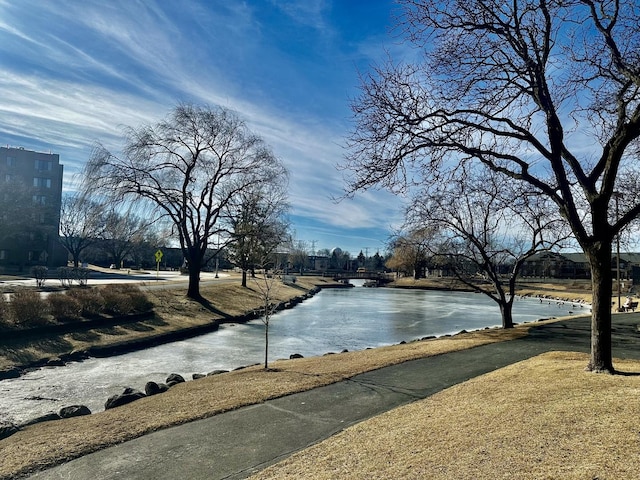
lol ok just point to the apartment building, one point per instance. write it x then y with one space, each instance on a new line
30 198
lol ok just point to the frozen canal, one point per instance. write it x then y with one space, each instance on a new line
333 320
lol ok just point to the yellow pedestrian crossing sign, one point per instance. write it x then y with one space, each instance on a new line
158 256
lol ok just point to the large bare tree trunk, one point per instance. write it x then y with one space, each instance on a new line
506 310
193 290
601 281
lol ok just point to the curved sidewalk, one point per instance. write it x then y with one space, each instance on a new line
235 444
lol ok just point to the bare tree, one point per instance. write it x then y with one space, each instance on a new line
122 232
81 224
267 287
299 256
545 92
487 231
411 250
258 225
188 167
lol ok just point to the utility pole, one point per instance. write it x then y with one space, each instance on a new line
617 196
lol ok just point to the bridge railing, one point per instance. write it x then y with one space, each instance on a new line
361 275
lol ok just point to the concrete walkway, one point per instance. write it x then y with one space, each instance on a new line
236 444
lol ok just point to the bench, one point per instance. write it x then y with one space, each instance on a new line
630 307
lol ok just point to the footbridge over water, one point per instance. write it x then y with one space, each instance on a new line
378 277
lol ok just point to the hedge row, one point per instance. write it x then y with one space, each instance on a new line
27 308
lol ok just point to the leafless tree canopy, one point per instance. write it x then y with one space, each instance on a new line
413 248
487 227
189 167
81 224
545 92
259 226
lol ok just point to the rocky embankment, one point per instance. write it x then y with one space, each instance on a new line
129 394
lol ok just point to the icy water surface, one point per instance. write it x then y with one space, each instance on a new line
333 320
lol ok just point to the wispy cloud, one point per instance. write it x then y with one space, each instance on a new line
77 72
310 12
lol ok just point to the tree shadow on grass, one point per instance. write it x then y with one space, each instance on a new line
115 330
24 353
156 321
626 374
210 307
87 336
138 327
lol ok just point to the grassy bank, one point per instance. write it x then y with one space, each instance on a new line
173 313
544 418
565 290
31 448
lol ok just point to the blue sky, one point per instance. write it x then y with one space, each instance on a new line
75 72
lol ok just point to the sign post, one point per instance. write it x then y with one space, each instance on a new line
158 256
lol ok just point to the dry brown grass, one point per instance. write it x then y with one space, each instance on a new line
571 290
502 423
32 449
541 418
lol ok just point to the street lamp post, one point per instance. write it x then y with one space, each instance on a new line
217 255
617 195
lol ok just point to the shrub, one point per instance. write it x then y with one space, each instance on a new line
4 311
28 309
40 272
90 300
139 301
115 302
64 307
65 275
125 299
81 275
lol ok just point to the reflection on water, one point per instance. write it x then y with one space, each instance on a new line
332 321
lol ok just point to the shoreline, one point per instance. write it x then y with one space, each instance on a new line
117 347
217 394
129 345
29 449
140 344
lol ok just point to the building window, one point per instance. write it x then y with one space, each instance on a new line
43 166
42 182
11 161
38 217
4 254
40 199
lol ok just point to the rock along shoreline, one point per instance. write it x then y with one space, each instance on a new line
129 394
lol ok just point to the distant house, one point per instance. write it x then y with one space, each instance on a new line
575 265
319 263
30 198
